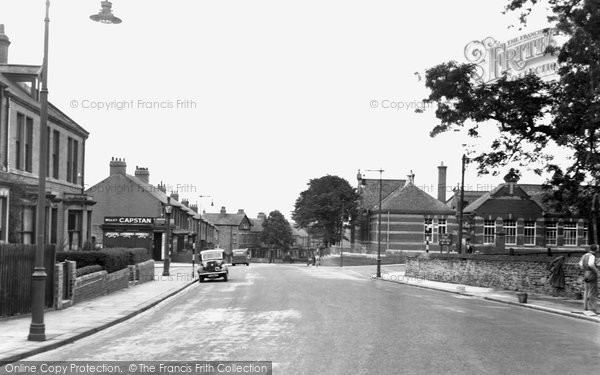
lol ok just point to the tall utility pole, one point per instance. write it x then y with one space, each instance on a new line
459 246
378 222
342 238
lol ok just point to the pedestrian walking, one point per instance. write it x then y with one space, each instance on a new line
557 275
590 278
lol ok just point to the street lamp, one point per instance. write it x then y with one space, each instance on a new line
459 248
378 222
37 328
105 15
167 261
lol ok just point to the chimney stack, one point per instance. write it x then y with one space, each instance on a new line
241 211
4 43
175 196
118 166
442 183
223 210
162 187
262 216
411 177
142 174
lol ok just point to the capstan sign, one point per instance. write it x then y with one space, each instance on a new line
128 220
517 57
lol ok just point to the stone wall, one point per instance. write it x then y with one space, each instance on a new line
521 273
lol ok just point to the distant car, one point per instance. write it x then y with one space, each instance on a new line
212 265
240 256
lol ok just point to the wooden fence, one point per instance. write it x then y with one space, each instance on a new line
16 269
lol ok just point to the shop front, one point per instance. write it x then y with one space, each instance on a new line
129 232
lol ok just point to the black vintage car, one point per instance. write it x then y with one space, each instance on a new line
212 265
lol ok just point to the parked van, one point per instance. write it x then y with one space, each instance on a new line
240 256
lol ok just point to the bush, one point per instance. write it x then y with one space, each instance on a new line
110 259
88 269
138 255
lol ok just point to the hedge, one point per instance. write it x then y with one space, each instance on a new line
87 270
110 259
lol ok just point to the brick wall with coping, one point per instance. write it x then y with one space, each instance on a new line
521 273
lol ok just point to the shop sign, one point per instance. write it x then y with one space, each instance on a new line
129 220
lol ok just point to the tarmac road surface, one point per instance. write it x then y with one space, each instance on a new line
325 320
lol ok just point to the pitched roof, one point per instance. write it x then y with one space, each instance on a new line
411 199
257 225
469 197
369 192
534 192
225 219
17 92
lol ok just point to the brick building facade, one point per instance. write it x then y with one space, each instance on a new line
69 209
124 195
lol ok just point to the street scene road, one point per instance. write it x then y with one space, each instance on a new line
328 320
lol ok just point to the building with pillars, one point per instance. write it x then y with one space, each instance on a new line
130 212
69 209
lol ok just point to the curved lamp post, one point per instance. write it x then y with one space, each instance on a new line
37 329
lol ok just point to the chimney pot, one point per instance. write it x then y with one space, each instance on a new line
4 43
143 174
118 167
223 211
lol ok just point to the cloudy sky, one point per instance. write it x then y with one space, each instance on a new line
247 100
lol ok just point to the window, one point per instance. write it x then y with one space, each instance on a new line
53 225
529 238
55 153
551 234
74 229
442 226
489 232
69 158
29 145
19 141
510 229
584 240
74 162
48 151
570 233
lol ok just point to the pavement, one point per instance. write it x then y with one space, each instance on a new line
555 305
88 317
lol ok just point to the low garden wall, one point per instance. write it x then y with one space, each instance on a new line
98 283
521 273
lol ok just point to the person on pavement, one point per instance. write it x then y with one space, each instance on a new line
557 275
590 277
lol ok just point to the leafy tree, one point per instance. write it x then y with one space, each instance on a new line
322 209
277 232
532 114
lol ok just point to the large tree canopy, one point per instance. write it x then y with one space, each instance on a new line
277 231
531 113
325 206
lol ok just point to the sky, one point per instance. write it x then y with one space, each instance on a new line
245 101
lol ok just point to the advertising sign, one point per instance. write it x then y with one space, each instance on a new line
128 220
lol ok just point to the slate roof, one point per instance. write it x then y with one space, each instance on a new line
470 197
17 92
225 219
535 192
257 225
370 191
412 200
